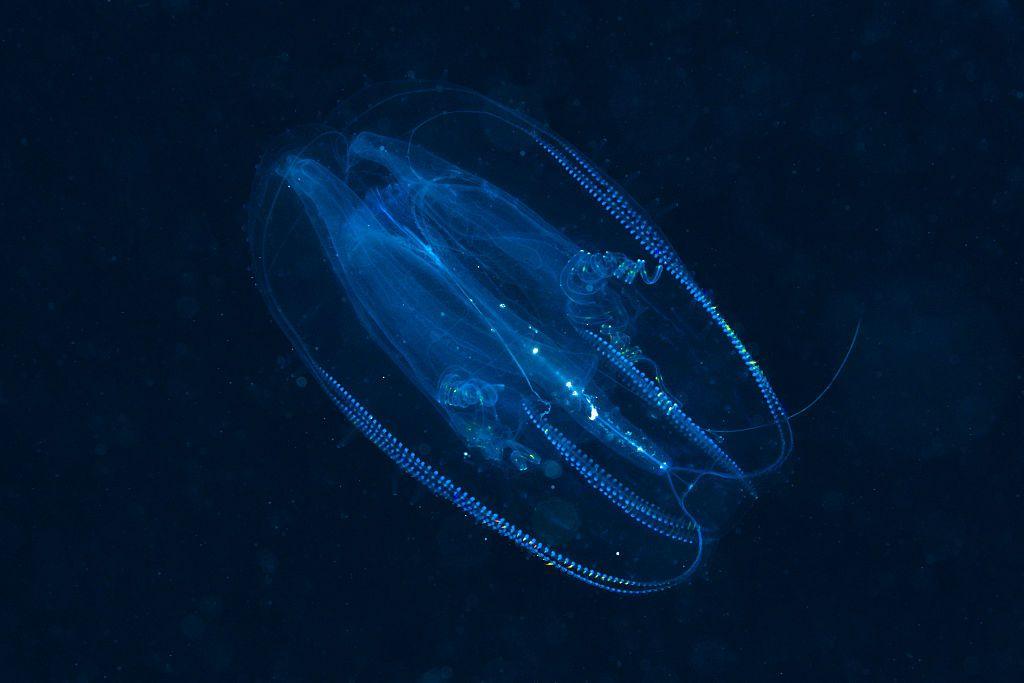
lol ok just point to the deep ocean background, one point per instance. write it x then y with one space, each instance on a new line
177 503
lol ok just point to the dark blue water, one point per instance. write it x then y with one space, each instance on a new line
178 501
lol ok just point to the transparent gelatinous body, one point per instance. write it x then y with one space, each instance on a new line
502 321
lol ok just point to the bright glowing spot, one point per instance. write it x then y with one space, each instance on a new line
535 350
593 413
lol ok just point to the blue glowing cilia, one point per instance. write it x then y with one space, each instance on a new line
505 323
